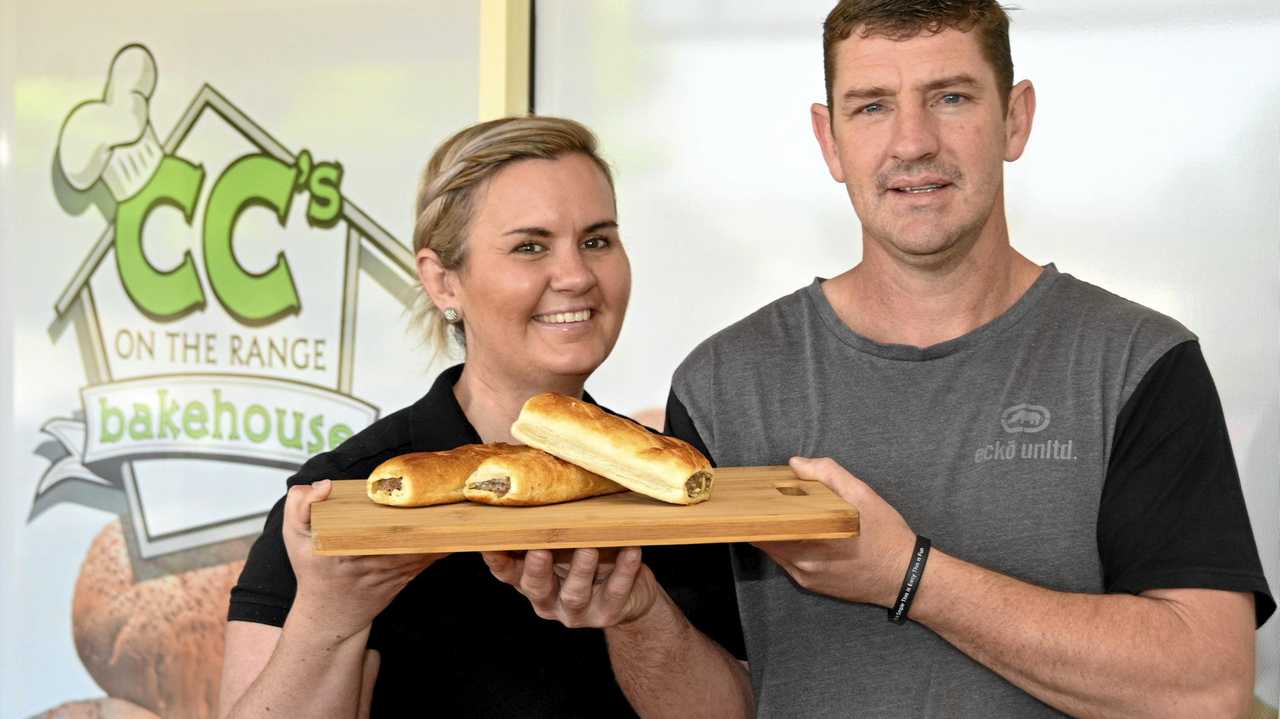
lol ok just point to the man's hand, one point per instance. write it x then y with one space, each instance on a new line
868 568
585 593
340 595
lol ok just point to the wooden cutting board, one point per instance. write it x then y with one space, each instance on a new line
748 504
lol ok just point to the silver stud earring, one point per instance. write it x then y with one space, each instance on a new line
451 315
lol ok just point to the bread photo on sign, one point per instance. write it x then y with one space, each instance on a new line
423 479
579 432
525 476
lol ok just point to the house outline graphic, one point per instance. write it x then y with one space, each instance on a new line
368 247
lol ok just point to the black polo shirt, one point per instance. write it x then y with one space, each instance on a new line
456 641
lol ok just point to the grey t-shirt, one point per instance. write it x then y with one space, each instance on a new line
996 445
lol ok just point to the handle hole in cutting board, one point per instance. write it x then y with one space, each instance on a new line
791 490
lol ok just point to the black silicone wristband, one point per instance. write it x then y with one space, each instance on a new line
911 582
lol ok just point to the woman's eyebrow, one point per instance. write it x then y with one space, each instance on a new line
544 232
601 225
531 231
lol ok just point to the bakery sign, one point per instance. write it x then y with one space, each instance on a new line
215 314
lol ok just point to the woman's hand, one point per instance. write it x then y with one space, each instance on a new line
340 596
586 592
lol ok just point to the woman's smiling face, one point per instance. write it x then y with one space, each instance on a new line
545 283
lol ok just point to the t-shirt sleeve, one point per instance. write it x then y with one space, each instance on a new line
1172 512
679 424
267 584
699 577
265 590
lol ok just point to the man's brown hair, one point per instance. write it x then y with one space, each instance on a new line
905 19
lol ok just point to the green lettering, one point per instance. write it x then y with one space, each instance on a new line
257 299
219 409
140 426
338 434
257 410
284 438
194 419
325 207
168 417
105 434
316 443
159 295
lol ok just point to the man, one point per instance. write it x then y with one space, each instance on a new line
1064 449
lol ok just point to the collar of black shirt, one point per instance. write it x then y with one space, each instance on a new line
437 419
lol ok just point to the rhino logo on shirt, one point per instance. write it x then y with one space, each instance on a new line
1028 418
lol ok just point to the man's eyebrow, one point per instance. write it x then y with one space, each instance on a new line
960 80
874 91
544 232
865 93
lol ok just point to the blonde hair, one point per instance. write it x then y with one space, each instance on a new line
457 169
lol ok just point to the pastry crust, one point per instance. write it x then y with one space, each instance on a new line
661 467
525 476
422 479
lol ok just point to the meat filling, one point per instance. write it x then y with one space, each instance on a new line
698 485
388 485
498 485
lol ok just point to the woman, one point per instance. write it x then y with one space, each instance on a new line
518 252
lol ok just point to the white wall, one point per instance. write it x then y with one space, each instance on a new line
1153 170
8 533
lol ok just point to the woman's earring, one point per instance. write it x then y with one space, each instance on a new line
451 315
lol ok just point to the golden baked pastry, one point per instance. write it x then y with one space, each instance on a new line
525 476
422 479
661 467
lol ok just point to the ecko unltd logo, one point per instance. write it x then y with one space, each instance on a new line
1025 418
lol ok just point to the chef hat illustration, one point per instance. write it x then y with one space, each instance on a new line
112 139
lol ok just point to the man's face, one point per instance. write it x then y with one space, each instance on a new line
918 134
